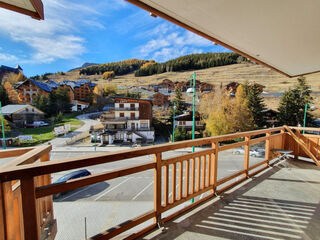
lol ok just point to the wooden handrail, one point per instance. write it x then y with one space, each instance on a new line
199 170
302 145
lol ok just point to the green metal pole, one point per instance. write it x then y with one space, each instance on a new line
193 115
95 141
3 135
174 120
194 107
305 116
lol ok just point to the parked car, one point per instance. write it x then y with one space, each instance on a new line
36 124
252 152
69 176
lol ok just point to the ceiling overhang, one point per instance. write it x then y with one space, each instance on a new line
283 35
32 8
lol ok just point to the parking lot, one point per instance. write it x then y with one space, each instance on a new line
108 203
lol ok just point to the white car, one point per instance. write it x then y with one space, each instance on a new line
40 124
252 152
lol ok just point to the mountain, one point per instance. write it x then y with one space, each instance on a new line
84 66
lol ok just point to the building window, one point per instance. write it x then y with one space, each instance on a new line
121 105
133 115
132 106
144 125
121 114
198 123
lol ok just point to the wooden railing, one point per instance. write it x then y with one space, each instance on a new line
15 199
192 174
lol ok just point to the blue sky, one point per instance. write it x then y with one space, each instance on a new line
98 31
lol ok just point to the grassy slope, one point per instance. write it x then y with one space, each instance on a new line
274 82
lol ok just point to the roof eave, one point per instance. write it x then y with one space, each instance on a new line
37 5
158 13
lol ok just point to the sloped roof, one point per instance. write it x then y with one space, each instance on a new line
13 108
283 35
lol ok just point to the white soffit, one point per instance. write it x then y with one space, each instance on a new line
283 34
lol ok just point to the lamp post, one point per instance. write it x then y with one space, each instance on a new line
305 116
193 89
3 135
174 120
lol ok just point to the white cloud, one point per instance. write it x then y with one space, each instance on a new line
7 57
168 42
57 37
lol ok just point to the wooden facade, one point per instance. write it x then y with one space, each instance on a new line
160 99
199 169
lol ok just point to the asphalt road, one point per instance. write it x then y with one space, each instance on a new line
139 186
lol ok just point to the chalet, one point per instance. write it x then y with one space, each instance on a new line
160 99
22 114
4 70
79 90
231 88
271 117
128 121
78 105
186 120
165 87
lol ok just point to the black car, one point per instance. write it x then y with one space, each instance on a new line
69 176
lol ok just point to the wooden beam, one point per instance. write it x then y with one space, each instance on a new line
246 155
37 4
30 219
92 179
303 146
8 153
157 198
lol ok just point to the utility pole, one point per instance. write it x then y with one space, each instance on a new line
3 135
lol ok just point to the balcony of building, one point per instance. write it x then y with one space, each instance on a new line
205 194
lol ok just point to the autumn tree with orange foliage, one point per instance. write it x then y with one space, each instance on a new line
224 114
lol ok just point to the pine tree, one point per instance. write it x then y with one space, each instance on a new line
255 103
292 104
4 96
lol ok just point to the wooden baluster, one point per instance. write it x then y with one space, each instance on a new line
296 145
198 173
180 180
214 166
267 150
48 203
166 185
204 165
2 214
246 155
192 176
208 170
157 187
30 220
173 183
186 186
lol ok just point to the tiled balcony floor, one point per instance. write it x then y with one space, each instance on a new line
280 203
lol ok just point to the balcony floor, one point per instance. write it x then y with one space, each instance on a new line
281 203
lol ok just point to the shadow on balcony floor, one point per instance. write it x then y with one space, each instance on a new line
281 203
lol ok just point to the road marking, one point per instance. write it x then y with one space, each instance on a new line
112 189
75 193
142 191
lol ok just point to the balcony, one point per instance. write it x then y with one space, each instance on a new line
224 195
127 109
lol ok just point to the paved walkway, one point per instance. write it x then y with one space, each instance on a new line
61 141
282 203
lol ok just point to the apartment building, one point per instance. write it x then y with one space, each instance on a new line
185 121
128 121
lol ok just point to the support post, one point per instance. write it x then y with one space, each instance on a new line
29 209
214 167
246 155
157 188
267 150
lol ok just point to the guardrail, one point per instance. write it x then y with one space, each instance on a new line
192 173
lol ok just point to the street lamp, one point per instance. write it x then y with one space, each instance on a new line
192 90
305 114
174 120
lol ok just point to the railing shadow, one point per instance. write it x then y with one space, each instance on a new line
269 207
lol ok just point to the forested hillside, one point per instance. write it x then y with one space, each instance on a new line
190 62
119 68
